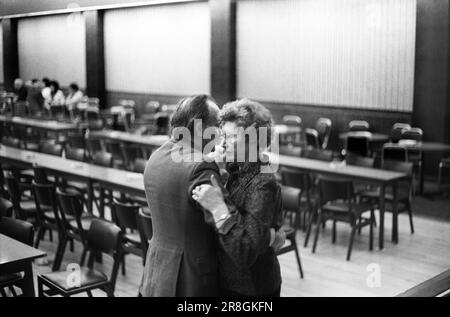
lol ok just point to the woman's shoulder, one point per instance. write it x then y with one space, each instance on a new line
266 180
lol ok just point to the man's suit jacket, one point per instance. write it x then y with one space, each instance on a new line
181 259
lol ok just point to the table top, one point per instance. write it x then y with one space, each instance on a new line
334 169
39 123
113 176
148 140
436 286
13 251
287 129
373 137
425 146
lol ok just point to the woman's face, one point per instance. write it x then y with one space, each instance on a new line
234 140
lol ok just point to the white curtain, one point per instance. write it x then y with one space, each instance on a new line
159 49
353 53
54 47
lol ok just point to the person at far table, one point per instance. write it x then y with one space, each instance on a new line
35 98
46 91
20 90
74 97
57 96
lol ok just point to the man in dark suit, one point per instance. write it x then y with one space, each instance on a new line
182 257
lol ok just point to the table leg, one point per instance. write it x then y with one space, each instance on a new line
382 209
90 194
28 282
421 175
394 213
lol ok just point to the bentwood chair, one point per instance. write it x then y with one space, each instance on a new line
145 226
358 125
103 237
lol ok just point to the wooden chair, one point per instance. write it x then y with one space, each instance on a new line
6 208
358 145
103 237
126 218
396 131
145 227
75 221
338 204
291 206
443 165
404 192
312 138
50 148
24 208
358 125
294 139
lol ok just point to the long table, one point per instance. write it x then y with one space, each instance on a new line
382 178
16 256
438 286
49 125
144 140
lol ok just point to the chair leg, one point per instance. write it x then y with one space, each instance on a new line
350 244
372 221
71 246
297 255
50 235
59 254
3 293
83 256
39 236
89 292
359 223
40 288
123 264
308 232
411 224
12 290
333 237
316 237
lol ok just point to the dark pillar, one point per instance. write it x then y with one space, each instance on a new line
95 62
432 74
223 50
10 53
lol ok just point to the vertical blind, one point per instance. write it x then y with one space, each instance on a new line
54 47
158 49
348 53
1 54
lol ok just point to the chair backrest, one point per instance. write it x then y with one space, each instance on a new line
10 141
290 197
76 154
358 125
103 159
17 229
76 140
323 127
6 208
45 199
145 225
115 148
331 189
139 165
396 131
295 178
93 145
357 160
402 167
317 154
415 134
292 120
50 148
71 206
105 237
130 153
291 138
394 152
126 215
14 192
40 175
358 145
312 138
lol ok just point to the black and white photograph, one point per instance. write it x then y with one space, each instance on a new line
225 154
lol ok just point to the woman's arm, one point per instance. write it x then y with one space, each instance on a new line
246 234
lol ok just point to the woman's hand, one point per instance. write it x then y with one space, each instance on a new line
211 198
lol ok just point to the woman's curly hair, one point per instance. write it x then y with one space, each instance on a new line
246 113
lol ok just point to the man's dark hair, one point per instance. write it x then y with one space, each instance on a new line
189 109
74 86
46 82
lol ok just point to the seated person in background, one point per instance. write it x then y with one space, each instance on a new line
46 92
35 98
74 97
20 90
57 96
